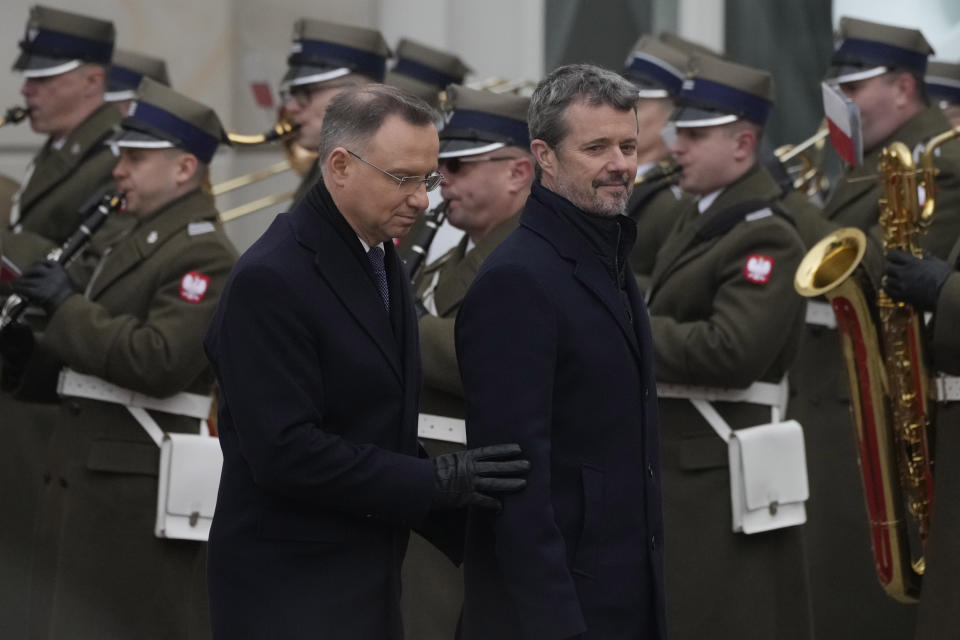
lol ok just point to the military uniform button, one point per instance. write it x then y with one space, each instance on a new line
650 470
47 478
653 543
74 407
63 482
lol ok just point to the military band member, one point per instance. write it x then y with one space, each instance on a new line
127 69
943 86
326 58
933 285
424 71
98 570
881 69
658 71
487 170
724 314
63 60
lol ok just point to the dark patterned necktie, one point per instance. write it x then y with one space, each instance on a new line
375 255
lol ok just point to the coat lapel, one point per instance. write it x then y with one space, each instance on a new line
463 265
148 236
347 277
587 268
53 165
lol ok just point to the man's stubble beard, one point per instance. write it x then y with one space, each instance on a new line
591 202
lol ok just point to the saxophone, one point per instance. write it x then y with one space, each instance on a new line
882 342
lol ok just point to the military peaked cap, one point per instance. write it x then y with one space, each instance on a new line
482 121
128 69
943 81
656 68
865 49
719 92
424 71
161 118
322 51
59 41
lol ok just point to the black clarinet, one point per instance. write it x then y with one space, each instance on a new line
111 202
421 244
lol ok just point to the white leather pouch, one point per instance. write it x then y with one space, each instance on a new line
768 477
188 484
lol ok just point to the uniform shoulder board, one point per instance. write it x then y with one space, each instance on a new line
200 228
759 214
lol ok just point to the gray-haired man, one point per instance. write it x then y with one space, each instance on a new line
314 344
554 347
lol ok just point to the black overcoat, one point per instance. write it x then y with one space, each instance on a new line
551 359
318 425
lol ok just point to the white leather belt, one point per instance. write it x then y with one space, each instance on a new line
946 388
442 428
821 314
79 385
768 394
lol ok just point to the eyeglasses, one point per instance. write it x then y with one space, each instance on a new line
407 184
453 165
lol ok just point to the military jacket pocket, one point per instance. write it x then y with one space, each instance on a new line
113 456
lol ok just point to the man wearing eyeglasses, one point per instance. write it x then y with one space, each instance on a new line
326 58
487 170
315 348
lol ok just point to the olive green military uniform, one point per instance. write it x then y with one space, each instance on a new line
938 616
433 586
653 205
8 187
848 599
98 570
715 326
60 181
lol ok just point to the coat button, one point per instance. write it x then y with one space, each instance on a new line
650 470
653 543
74 407
63 482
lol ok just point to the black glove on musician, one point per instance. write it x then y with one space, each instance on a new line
476 476
45 284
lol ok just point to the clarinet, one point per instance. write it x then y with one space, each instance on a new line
421 244
15 305
13 115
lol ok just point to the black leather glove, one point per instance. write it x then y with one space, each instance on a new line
45 284
16 346
475 476
913 280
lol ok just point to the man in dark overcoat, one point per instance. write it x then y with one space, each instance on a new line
553 342
315 348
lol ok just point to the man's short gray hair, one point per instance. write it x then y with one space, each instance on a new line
575 83
354 116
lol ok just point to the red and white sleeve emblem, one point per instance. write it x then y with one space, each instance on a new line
193 286
758 268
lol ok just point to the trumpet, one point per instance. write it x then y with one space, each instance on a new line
807 178
280 130
14 115
111 202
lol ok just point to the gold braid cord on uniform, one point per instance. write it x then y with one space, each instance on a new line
882 343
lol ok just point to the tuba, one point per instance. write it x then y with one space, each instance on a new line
882 342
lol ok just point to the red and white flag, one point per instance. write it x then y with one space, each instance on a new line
843 117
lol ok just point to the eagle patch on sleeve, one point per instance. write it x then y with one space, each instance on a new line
758 268
193 286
